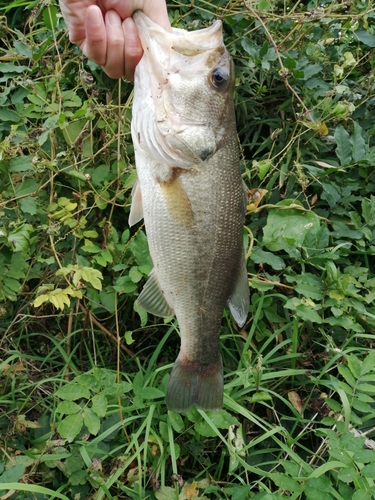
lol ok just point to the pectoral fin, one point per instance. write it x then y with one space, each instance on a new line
177 201
136 209
153 300
239 300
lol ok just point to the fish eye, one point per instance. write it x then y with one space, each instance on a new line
220 78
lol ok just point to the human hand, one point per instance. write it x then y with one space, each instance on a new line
106 33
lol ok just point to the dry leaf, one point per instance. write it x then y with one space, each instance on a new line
296 401
12 370
191 491
254 197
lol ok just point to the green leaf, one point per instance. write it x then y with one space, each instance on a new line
305 312
11 475
99 405
143 315
91 421
135 275
176 421
150 393
8 115
101 200
365 37
20 164
19 239
358 143
344 322
354 365
125 285
261 396
362 495
100 174
128 337
78 477
71 426
89 381
368 471
263 167
67 407
364 456
28 205
165 493
7 67
260 256
367 388
330 194
368 210
318 488
88 274
287 226
221 420
310 286
27 187
343 149
286 483
368 364
348 474
72 392
347 374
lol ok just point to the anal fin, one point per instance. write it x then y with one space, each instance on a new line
239 300
152 298
193 384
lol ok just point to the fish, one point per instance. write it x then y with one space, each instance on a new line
192 198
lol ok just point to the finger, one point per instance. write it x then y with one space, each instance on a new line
95 45
156 10
115 62
133 48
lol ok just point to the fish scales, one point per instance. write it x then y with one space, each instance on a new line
192 198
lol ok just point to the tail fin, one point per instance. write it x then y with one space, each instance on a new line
193 384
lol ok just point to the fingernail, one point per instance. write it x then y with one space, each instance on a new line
113 18
129 28
94 16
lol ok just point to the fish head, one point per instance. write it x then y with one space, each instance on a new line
185 84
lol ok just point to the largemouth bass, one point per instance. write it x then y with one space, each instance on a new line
192 198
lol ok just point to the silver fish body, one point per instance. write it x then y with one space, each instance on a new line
191 196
